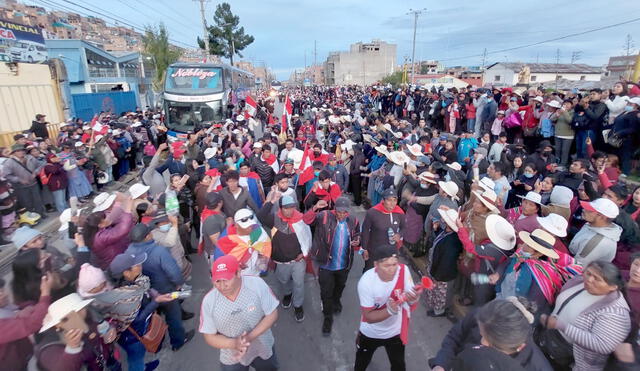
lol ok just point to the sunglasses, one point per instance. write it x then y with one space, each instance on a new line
244 220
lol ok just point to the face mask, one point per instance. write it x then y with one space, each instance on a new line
316 173
628 108
424 186
528 175
164 227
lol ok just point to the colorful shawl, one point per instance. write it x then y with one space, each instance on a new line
230 243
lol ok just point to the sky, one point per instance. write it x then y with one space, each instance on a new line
455 33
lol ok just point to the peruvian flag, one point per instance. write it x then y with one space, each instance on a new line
250 107
306 170
286 114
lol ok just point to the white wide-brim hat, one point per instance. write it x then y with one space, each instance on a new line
399 158
488 198
541 241
500 232
61 308
138 190
534 197
382 149
103 201
554 224
450 188
416 150
449 216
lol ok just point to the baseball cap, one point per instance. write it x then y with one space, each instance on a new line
383 252
287 201
602 206
389 192
139 232
245 218
257 145
125 261
343 204
224 268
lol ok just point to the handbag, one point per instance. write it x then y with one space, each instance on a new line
156 330
514 120
553 344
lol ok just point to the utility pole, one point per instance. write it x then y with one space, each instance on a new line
484 58
206 31
628 45
415 13
557 65
575 56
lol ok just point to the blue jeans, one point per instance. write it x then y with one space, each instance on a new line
135 355
581 142
471 124
60 199
258 364
173 317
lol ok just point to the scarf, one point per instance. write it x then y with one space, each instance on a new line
230 243
544 274
380 207
296 217
269 160
331 195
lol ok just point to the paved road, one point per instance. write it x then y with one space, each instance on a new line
300 346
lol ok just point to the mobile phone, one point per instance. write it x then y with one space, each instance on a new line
73 229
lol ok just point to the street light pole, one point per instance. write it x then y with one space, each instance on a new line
206 32
415 13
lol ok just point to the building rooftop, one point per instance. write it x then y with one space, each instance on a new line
549 67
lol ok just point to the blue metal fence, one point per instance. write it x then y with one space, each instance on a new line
86 105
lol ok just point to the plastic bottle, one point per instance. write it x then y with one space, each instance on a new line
390 233
171 204
479 279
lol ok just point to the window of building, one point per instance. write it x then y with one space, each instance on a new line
496 78
533 77
558 77
583 77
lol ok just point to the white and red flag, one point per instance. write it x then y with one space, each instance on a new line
286 114
250 107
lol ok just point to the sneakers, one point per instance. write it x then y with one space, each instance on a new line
299 314
286 301
326 326
187 338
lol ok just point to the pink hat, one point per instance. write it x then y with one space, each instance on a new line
89 278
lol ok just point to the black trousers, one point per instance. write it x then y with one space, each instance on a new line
366 346
355 181
331 286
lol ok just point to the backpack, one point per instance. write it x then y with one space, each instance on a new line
44 178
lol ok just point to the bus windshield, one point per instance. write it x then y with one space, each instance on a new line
187 116
193 80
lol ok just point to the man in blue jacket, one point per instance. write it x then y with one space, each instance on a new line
338 172
165 276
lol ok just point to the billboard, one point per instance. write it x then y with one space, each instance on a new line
21 43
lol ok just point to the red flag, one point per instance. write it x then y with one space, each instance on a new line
286 114
250 106
306 170
270 120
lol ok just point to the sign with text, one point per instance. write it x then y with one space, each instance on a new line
21 43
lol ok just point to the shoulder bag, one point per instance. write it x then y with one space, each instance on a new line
156 329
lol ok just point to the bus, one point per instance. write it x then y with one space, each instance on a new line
198 94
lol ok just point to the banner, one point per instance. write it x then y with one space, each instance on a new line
21 43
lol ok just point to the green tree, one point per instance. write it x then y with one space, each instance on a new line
155 42
394 79
226 38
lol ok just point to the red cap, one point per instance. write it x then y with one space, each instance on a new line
212 173
224 268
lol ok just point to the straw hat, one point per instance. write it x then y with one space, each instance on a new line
487 184
382 149
416 150
450 188
488 198
296 156
427 177
500 232
455 166
61 308
449 216
103 201
541 241
399 158
554 224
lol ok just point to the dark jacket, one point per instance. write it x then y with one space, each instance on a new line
444 261
160 266
57 177
325 223
231 204
174 167
112 240
39 129
466 334
596 112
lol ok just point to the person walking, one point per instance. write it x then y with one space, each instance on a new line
336 236
236 317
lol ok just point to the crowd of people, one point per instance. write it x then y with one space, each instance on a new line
517 202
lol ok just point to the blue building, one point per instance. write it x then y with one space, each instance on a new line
98 80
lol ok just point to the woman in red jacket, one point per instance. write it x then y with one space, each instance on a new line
56 181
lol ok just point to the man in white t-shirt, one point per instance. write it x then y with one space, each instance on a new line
236 317
382 291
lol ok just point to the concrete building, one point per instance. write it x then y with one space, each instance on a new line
430 67
510 74
622 66
363 64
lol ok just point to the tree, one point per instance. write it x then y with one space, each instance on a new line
155 42
395 79
226 38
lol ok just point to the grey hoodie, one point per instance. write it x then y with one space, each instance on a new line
605 249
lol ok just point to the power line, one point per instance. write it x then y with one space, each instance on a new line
115 18
156 10
548 40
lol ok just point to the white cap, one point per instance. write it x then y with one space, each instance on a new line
257 145
79 144
244 218
136 124
603 206
116 132
533 197
554 104
538 99
561 196
554 224
634 100
138 190
240 118
210 152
